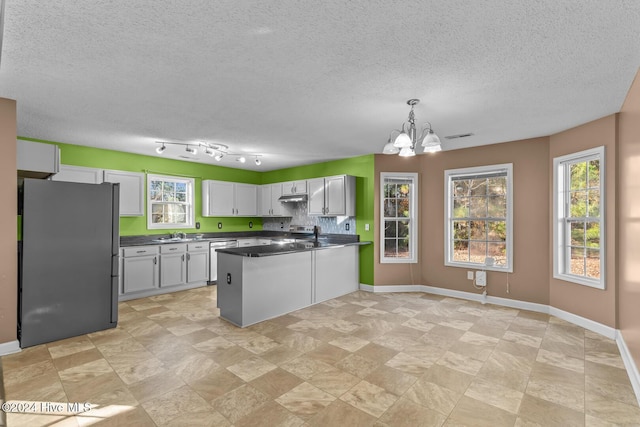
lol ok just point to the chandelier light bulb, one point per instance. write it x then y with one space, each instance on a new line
403 140
407 152
258 161
241 159
389 148
161 149
218 157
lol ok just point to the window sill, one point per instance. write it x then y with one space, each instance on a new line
596 284
483 267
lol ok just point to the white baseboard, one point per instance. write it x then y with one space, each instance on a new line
599 328
632 369
9 347
596 327
393 288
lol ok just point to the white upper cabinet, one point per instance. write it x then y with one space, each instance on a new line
37 160
131 191
294 187
246 199
332 196
269 205
78 174
222 198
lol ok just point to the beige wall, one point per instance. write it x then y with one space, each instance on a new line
594 304
395 274
8 211
529 281
629 220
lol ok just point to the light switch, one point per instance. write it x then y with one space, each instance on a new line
366 227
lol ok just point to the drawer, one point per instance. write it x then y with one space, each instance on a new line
132 251
173 248
203 246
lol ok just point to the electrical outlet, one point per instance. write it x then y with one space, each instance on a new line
481 278
219 226
250 224
366 227
470 275
197 226
346 226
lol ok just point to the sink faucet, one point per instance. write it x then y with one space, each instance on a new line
179 235
316 231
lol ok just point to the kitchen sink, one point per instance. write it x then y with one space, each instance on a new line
171 240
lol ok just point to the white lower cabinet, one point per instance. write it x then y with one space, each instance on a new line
173 265
152 270
140 269
198 262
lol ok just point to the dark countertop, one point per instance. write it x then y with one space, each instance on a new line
285 248
221 236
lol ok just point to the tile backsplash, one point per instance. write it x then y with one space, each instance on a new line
300 216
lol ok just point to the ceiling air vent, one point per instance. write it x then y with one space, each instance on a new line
460 135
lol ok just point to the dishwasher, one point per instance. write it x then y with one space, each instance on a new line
213 257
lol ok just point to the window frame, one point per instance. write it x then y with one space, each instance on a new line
190 203
448 209
413 218
561 250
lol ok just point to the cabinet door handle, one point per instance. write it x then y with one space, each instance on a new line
182 257
188 257
155 259
141 252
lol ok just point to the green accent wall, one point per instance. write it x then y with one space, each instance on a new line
361 167
78 155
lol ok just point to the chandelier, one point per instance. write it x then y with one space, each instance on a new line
407 140
217 151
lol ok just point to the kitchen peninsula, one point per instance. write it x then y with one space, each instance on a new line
261 282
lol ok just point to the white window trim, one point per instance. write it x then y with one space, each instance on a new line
190 198
448 207
559 234
413 215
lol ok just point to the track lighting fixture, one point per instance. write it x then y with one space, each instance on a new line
217 151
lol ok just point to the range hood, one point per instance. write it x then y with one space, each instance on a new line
291 198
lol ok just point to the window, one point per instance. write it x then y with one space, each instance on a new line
578 210
478 212
170 202
398 210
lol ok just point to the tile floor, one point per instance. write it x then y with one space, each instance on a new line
402 359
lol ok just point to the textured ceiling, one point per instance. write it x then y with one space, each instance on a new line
300 82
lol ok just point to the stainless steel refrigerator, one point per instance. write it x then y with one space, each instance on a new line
68 259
